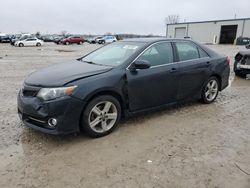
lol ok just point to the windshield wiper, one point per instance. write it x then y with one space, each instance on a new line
89 62
93 63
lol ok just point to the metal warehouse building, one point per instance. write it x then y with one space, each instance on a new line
216 31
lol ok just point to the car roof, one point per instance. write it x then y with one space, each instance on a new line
154 39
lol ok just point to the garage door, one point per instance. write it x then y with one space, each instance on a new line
180 32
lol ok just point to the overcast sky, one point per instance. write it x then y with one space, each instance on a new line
115 16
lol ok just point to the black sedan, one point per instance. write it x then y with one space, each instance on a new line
92 93
5 39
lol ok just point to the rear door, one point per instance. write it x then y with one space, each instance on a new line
157 85
194 67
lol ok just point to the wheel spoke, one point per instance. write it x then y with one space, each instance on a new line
95 122
97 111
209 85
104 125
207 93
210 96
213 84
111 115
214 90
107 107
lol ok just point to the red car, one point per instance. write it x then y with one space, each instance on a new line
73 40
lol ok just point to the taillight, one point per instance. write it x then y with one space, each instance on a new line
228 60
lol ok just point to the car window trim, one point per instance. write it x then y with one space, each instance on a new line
178 62
150 47
174 53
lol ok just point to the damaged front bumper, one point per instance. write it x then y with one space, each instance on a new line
37 114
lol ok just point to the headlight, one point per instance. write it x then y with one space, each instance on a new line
53 93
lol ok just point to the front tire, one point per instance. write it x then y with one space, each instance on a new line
21 45
38 44
101 116
210 90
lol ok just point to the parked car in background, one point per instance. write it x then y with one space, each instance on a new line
242 41
5 39
32 41
107 39
58 39
73 40
47 38
92 93
20 37
97 39
242 63
93 40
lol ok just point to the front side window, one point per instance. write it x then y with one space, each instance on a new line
113 54
187 51
158 54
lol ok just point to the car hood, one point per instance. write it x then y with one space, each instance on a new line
61 74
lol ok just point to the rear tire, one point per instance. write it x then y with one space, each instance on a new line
101 116
210 90
80 43
38 44
67 43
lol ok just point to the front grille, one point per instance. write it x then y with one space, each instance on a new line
30 91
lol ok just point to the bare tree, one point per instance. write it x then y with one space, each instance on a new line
38 34
172 19
64 33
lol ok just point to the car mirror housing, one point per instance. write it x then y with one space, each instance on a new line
140 64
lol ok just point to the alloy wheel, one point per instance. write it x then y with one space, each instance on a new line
211 90
103 116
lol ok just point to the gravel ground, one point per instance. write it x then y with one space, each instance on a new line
188 145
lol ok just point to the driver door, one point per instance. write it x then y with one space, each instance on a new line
156 85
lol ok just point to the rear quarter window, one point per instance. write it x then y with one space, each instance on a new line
187 51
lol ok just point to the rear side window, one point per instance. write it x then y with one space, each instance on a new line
187 51
158 54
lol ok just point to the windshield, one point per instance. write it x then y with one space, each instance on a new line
113 54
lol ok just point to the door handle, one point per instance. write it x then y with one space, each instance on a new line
208 63
173 70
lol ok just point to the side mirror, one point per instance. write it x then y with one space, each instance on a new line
140 64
